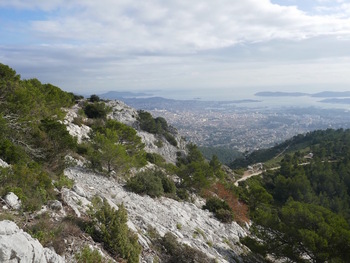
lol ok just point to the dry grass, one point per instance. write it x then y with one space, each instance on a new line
239 209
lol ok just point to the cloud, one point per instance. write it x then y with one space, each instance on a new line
177 25
85 44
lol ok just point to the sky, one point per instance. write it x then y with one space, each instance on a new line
88 46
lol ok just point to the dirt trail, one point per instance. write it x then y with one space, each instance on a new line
248 174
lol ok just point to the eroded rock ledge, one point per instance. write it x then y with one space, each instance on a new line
18 246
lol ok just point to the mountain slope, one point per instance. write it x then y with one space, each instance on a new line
68 160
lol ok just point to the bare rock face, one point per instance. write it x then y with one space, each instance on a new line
18 246
191 225
78 203
122 113
12 201
167 151
81 132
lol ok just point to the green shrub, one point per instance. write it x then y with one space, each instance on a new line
178 253
146 121
146 183
220 208
87 255
111 229
171 139
30 182
254 245
64 181
155 158
94 98
55 138
11 153
156 126
96 110
153 183
182 194
7 73
225 216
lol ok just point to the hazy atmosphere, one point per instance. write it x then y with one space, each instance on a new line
95 46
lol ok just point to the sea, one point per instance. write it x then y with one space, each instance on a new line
245 97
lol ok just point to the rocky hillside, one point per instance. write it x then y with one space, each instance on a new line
86 180
190 224
187 221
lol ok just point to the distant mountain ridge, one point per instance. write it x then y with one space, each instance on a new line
148 102
123 94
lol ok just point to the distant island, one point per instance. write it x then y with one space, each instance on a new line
323 94
280 94
336 101
332 94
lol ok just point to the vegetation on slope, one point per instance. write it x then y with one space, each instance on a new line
225 155
302 210
157 126
297 143
34 141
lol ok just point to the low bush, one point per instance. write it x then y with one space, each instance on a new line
178 253
63 181
94 98
96 110
146 183
171 139
111 229
153 183
52 233
182 193
220 208
29 182
157 126
225 216
87 255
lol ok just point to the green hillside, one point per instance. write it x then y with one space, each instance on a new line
302 210
301 142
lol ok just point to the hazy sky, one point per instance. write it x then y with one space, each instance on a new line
90 46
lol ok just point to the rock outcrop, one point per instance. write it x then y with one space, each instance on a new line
166 150
18 246
127 115
122 113
192 225
12 201
3 164
81 132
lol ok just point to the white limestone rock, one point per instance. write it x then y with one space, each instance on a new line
122 113
80 132
167 151
78 203
71 161
164 215
55 205
3 164
18 246
13 201
79 190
